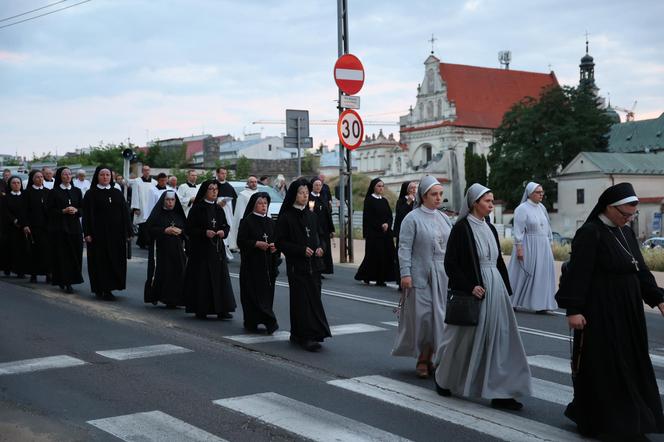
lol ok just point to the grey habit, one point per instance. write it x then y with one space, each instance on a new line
422 243
488 360
533 280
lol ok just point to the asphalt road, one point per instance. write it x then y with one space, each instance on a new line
73 368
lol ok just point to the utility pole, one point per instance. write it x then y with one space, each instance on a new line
345 164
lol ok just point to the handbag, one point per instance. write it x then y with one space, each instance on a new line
463 308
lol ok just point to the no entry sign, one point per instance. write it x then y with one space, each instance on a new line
349 74
350 129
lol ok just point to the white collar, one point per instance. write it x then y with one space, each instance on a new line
210 202
221 182
378 197
298 207
427 210
532 203
475 219
605 219
315 194
37 188
16 193
63 187
106 187
262 215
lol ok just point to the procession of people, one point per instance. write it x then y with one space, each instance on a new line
458 298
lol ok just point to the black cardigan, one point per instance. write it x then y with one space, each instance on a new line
460 263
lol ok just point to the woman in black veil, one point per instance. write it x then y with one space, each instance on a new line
35 228
404 206
166 252
299 239
14 256
106 229
320 206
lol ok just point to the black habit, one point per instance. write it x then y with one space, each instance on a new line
207 283
615 391
65 234
36 217
14 256
297 229
403 207
258 268
166 255
106 220
321 209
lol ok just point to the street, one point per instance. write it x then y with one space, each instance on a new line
73 368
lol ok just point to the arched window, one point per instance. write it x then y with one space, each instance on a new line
440 108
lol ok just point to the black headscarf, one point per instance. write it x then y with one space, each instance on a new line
372 187
291 194
31 178
311 184
9 183
252 202
95 177
200 195
58 177
622 193
404 190
159 210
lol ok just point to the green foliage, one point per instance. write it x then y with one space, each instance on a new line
360 186
310 163
242 168
654 259
475 168
166 156
537 138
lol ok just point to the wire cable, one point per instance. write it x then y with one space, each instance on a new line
34 10
46 13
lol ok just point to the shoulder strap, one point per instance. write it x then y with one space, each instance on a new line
472 252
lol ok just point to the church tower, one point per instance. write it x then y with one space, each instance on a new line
587 70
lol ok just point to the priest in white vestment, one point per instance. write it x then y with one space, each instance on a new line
242 200
187 192
140 203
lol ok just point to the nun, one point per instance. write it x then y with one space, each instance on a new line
422 244
14 256
35 228
64 227
378 262
320 205
404 206
166 252
603 289
487 360
531 270
298 237
258 268
106 230
207 283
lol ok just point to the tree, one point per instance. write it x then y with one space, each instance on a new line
242 168
537 138
166 156
475 168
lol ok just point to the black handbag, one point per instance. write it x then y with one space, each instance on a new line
463 308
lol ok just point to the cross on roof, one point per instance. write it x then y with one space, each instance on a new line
432 40
586 42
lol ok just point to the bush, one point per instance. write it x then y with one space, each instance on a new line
360 186
560 251
506 245
654 259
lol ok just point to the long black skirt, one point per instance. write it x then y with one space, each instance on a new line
307 315
66 258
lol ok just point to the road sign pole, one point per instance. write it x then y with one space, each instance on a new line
345 179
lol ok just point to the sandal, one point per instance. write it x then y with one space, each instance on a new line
422 369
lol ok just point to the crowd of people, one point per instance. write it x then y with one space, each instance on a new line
191 232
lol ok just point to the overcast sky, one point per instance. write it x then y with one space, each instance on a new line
145 69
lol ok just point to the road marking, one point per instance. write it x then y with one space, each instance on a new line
552 391
657 360
391 323
38 364
304 420
337 330
152 426
545 334
468 414
563 366
122 354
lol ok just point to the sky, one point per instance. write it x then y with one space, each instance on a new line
111 70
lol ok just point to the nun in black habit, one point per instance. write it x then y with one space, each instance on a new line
166 252
64 228
207 283
320 205
106 229
603 289
404 206
36 220
298 238
14 256
379 254
258 268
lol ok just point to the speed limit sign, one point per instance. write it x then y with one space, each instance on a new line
350 129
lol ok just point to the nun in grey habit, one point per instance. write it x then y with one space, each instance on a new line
488 360
531 270
422 242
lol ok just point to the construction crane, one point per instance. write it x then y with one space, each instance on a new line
329 122
629 114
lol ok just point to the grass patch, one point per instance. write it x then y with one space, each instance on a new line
654 259
560 251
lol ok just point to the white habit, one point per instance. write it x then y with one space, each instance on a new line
141 197
83 185
186 192
242 201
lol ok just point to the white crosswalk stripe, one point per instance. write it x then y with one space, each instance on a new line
563 366
152 426
304 420
474 416
552 391
149 351
38 364
337 330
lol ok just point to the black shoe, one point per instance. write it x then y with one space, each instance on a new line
48 279
271 328
108 296
171 307
62 287
506 404
381 284
225 316
542 312
20 276
69 289
366 282
250 328
294 339
311 346
33 278
445 392
99 295
201 316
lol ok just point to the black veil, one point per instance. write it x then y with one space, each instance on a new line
372 187
58 176
95 177
404 190
612 195
200 195
252 202
291 194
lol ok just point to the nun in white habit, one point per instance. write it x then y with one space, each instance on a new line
488 360
422 242
531 270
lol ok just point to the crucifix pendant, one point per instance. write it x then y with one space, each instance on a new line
307 229
69 202
109 200
265 237
636 264
214 223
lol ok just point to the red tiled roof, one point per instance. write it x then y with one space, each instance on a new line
651 199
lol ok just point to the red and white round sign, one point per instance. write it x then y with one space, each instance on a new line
350 129
349 74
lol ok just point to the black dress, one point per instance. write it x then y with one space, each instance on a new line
615 390
296 230
325 227
226 190
379 254
207 283
65 236
404 207
106 220
258 271
36 217
14 256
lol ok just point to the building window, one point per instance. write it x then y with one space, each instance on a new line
440 109
472 147
427 154
269 147
580 196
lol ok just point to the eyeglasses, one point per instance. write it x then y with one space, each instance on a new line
539 192
626 215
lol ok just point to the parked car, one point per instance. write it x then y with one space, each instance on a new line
562 240
275 198
656 242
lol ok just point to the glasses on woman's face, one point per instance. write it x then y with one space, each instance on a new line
539 192
628 216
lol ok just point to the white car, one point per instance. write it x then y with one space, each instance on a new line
275 198
656 242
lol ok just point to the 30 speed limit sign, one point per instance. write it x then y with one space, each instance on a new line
350 129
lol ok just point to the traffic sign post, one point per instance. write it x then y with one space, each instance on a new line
350 129
297 131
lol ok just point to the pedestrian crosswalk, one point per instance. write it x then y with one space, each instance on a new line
39 364
149 351
337 330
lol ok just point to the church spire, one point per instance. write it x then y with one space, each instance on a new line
587 69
